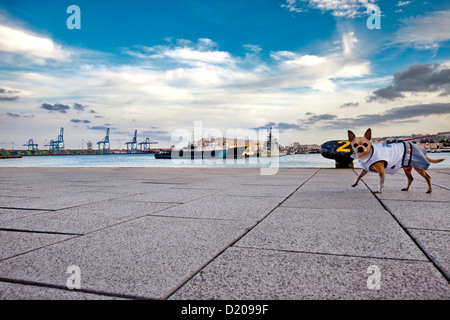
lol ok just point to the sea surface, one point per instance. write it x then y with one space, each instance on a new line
148 160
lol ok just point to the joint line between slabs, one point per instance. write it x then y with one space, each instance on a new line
170 293
415 241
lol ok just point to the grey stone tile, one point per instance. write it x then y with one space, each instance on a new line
343 188
14 243
421 214
440 177
86 218
359 198
177 195
251 274
66 200
9 201
147 257
11 214
277 180
261 190
226 207
344 176
437 245
415 193
333 231
16 291
218 182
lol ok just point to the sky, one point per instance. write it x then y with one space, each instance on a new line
311 69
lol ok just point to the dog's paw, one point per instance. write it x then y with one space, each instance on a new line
429 191
378 191
405 189
354 185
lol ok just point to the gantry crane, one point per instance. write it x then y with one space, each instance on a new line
132 145
104 145
145 145
31 145
57 145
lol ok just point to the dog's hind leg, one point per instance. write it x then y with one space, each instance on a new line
408 174
427 177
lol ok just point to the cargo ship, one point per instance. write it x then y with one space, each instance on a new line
205 153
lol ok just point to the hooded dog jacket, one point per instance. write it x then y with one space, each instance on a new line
395 156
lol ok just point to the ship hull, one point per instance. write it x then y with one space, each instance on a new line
202 154
268 153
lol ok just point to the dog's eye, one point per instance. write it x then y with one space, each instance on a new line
365 145
355 145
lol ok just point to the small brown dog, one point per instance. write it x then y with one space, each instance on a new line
389 158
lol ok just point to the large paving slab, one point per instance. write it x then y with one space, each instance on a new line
147 257
261 190
14 243
279 180
248 274
414 193
20 291
12 214
424 217
359 233
62 201
440 177
437 245
335 199
173 194
421 214
85 218
226 207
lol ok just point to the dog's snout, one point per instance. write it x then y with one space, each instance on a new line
360 149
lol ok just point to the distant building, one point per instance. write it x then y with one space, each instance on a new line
252 145
431 145
89 145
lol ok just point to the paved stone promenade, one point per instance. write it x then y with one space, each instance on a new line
163 233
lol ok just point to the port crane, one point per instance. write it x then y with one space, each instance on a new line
31 145
132 145
145 145
57 145
104 145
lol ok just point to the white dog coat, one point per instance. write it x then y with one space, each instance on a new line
396 156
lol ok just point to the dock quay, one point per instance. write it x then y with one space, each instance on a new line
221 234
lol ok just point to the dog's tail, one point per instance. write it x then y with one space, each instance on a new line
435 161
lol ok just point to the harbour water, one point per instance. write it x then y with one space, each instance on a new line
148 160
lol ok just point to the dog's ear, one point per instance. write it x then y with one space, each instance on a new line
368 134
351 135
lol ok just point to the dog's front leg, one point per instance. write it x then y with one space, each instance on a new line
362 174
379 167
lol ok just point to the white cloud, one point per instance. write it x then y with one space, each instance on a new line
325 85
189 55
320 72
403 3
338 8
306 60
424 32
203 52
37 49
